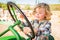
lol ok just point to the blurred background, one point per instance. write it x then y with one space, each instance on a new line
27 7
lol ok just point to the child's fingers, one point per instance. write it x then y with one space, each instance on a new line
26 30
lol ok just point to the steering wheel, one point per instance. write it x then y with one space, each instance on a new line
11 5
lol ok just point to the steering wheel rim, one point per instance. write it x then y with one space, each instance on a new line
11 4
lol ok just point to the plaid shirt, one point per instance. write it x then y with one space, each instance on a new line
36 24
40 26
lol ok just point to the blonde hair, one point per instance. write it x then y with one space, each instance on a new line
47 8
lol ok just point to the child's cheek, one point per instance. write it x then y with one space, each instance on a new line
41 16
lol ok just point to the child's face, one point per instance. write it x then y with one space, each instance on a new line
40 13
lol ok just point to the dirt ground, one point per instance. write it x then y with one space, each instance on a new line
55 28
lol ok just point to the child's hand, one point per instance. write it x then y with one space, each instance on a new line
33 39
35 30
26 30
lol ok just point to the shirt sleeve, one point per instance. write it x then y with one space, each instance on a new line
48 26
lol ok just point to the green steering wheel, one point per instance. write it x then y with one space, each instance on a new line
12 6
